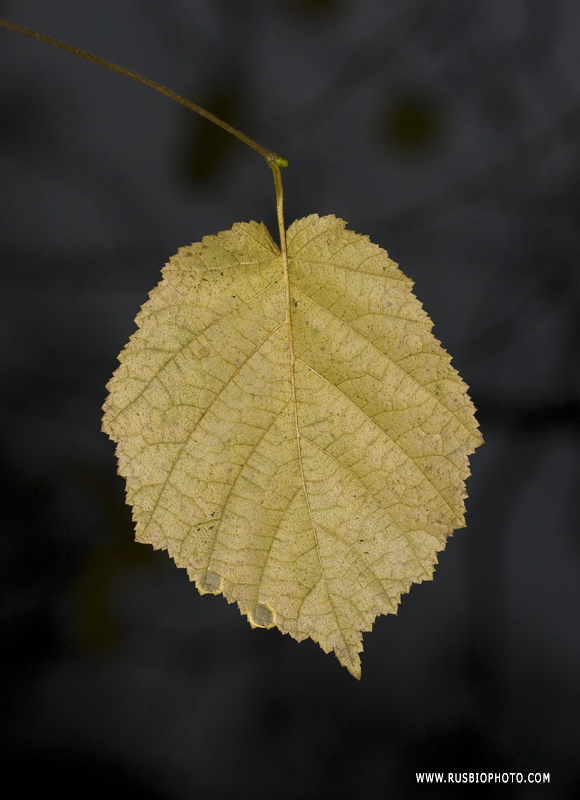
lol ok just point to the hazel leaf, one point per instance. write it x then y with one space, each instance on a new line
299 440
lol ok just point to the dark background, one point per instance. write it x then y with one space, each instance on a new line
448 132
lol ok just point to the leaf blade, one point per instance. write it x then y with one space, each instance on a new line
295 437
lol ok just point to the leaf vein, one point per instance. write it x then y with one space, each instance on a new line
394 441
187 344
386 355
210 405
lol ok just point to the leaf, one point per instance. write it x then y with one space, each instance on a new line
298 445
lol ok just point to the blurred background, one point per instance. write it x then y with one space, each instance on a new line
449 133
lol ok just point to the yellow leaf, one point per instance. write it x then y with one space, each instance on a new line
299 445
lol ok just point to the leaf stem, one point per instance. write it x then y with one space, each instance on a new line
271 157
275 167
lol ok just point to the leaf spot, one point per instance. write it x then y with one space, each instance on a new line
262 616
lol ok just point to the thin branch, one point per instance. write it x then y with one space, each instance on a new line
269 155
